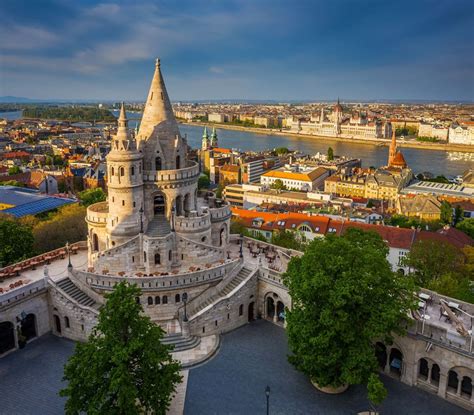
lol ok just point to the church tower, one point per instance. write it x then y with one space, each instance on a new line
392 152
214 142
125 185
205 140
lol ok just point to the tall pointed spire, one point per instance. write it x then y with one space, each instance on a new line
158 106
122 120
214 137
392 152
205 139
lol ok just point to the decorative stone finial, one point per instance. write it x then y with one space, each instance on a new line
157 62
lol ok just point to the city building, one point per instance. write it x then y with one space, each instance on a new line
461 133
296 177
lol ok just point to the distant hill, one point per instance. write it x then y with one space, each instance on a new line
8 99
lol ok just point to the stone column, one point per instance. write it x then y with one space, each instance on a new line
386 369
429 372
443 379
185 328
458 390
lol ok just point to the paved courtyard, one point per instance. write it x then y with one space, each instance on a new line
252 357
233 382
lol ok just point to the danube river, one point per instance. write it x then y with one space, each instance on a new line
420 160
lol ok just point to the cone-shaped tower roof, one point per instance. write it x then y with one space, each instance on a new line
158 106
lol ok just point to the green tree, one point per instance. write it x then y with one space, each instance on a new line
376 390
281 151
12 183
90 196
123 368
345 297
14 170
16 241
203 182
219 190
50 234
458 214
330 153
287 239
446 213
236 226
278 185
467 226
431 259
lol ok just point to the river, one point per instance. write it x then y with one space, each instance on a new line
420 160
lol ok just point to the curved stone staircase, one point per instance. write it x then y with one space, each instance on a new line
180 342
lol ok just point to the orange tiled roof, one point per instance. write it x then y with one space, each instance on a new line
305 177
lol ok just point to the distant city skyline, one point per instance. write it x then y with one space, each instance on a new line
239 50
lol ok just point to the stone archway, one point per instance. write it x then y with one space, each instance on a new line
57 323
95 242
179 205
270 307
396 362
7 336
223 235
28 327
159 204
187 203
280 311
251 315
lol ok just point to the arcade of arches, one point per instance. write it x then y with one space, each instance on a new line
11 338
274 308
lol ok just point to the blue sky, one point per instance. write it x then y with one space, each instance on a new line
218 49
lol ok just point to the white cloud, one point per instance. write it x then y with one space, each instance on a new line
19 37
216 69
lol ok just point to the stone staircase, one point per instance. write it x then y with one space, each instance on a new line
158 226
180 342
76 293
241 275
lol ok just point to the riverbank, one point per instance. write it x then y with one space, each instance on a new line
370 142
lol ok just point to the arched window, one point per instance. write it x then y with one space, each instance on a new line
453 381
132 171
435 375
150 301
305 228
170 255
66 322
144 256
140 168
423 369
157 299
157 259
158 163
165 299
137 299
241 309
178 162
177 298
122 171
466 387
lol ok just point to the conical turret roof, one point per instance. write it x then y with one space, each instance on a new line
158 107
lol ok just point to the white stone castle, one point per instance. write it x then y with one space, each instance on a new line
197 280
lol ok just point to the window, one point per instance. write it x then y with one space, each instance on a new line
112 171
241 309
165 299
157 299
144 256
157 259
150 301
123 202
122 171
170 255
134 204
133 171
137 299
66 321
177 298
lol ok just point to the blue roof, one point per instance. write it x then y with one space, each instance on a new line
29 202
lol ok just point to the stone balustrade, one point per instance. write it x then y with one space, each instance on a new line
158 283
190 172
97 213
192 223
271 276
19 293
220 213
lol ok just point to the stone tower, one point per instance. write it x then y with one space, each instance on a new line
205 140
125 185
214 142
392 152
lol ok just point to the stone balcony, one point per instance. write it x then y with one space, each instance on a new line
97 213
190 172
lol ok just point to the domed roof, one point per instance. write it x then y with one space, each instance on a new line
399 160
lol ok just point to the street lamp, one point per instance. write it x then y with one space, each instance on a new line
267 394
185 300
141 219
69 265
241 245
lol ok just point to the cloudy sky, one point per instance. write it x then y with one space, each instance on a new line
219 49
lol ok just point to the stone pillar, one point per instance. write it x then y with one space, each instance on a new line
429 372
443 379
458 390
386 369
185 328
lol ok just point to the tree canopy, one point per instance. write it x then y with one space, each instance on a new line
90 196
330 154
467 226
288 239
345 297
203 181
16 241
278 185
123 368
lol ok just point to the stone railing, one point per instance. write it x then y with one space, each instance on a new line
211 291
271 276
189 172
97 213
157 283
220 213
16 294
114 250
192 223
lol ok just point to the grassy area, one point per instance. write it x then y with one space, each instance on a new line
73 114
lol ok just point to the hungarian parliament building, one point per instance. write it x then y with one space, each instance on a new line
339 125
